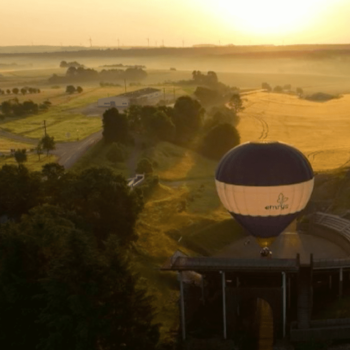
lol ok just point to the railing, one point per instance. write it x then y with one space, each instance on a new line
333 222
210 263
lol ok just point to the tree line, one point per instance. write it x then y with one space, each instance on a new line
24 90
88 74
65 274
180 124
14 108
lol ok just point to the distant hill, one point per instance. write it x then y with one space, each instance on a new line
249 51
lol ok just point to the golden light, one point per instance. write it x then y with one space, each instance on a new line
267 17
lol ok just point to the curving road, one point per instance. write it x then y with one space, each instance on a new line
68 152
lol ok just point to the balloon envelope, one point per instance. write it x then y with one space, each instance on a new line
264 186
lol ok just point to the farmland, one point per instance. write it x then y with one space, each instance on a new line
318 129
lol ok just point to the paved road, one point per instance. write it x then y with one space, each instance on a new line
17 138
68 153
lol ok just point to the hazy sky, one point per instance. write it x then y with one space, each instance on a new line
174 22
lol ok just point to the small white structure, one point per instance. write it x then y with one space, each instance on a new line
139 97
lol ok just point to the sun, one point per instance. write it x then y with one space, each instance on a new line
267 17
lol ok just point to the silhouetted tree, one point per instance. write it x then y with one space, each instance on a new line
236 103
48 143
70 89
219 140
15 91
115 126
188 116
21 156
79 89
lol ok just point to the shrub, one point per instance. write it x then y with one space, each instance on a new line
116 153
144 166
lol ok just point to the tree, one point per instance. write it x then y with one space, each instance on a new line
21 156
278 89
144 166
219 140
104 201
236 103
206 95
116 153
59 291
48 143
266 87
79 89
160 126
188 117
6 107
15 91
299 91
23 91
20 190
115 126
70 89
39 149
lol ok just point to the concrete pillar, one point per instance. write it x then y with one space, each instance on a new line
182 301
237 285
289 294
284 302
223 277
340 282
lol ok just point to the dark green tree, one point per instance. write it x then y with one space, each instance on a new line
159 125
6 107
104 201
188 116
21 156
144 166
39 149
219 140
70 89
79 89
20 190
116 153
59 291
115 126
48 143
236 103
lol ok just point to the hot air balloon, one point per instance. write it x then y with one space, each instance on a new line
264 186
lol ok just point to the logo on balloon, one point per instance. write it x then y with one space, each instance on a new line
281 200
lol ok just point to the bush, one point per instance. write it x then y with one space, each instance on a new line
116 153
144 166
219 140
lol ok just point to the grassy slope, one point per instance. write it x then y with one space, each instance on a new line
184 205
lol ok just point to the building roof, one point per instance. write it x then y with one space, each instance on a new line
139 93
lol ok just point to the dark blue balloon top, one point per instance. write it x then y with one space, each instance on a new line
264 164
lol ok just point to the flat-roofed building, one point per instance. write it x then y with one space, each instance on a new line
141 97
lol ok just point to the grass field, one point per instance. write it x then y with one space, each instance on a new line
319 130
